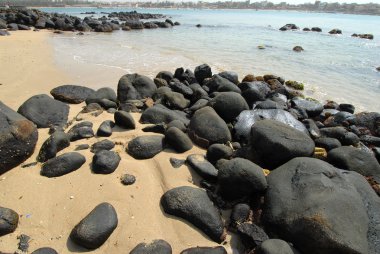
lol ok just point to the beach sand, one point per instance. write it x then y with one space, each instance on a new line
50 207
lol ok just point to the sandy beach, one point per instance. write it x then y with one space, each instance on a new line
50 207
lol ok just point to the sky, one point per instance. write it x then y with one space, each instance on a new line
273 1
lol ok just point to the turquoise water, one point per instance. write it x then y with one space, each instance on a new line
335 67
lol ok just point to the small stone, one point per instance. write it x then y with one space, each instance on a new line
8 221
105 162
176 163
128 179
102 145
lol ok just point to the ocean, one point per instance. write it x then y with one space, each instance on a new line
332 67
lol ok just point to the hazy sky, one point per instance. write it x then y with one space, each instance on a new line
274 1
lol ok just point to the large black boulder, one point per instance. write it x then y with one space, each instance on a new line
135 87
8 221
145 147
304 203
101 95
230 75
220 84
44 111
55 143
18 138
238 178
345 137
178 140
82 130
175 100
63 164
254 91
155 247
124 120
353 159
71 93
312 108
202 72
105 162
216 152
205 250
370 120
276 143
207 128
248 118
194 205
228 105
105 128
161 114
275 246
94 229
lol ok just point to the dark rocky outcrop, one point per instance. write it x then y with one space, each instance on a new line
18 138
202 72
105 162
135 86
194 205
155 247
289 27
82 130
276 143
102 96
145 147
63 164
71 93
44 111
161 114
124 120
228 105
94 229
207 128
8 221
105 128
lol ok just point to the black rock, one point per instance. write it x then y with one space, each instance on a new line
238 178
124 120
175 100
194 205
347 108
166 75
275 246
276 143
205 250
201 103
220 84
230 75
63 164
345 137
102 145
94 229
81 130
178 124
176 163
249 117
55 143
179 87
44 111
353 159
202 166
128 179
240 214
8 221
316 29
202 72
312 108
370 140
335 31
161 114
327 143
105 162
4 33
254 91
82 147
45 250
216 152
135 87
207 128
251 234
299 209
178 140
102 93
370 120
289 27
18 138
105 128
92 107
155 247
157 128
71 93
185 75
228 105
312 127
269 104
145 147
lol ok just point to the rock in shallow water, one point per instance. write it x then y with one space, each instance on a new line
94 229
63 164
71 93
44 111
8 221
18 138
194 205
145 147
155 247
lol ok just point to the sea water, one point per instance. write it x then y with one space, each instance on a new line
334 67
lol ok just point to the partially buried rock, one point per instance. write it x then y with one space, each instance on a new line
202 166
18 138
155 247
45 250
145 147
124 120
102 145
105 128
207 128
238 178
216 152
161 114
63 164
71 93
135 86
105 162
205 250
176 163
276 143
353 159
128 179
8 221
96 227
44 111
157 128
178 140
81 130
194 205
55 143
275 246
228 105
